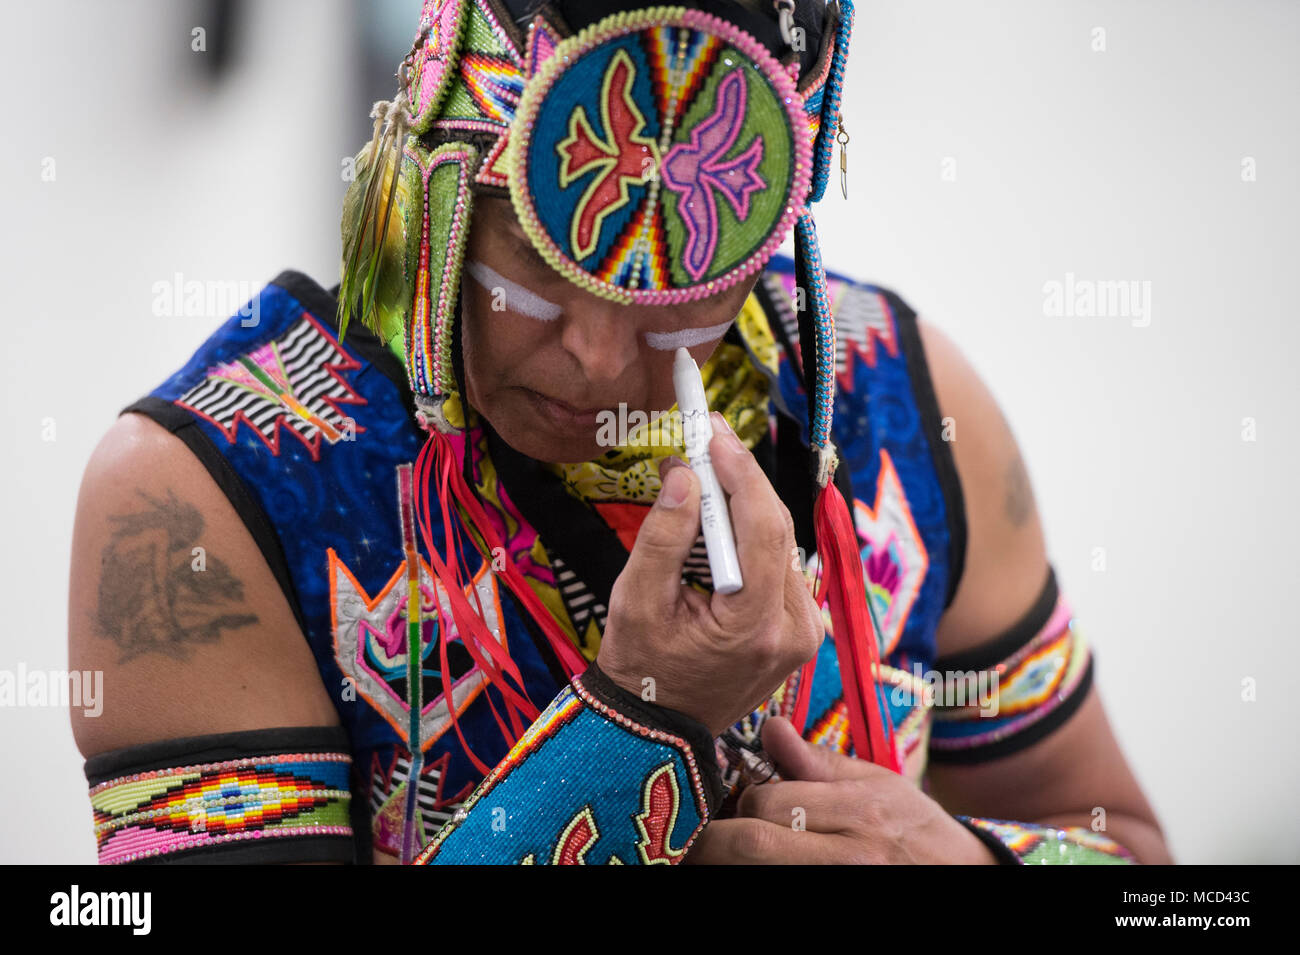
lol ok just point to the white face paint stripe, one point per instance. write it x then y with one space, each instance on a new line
671 341
518 298
525 302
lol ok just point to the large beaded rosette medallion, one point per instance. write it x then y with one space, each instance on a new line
659 156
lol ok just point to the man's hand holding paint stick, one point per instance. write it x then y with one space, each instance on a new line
713 657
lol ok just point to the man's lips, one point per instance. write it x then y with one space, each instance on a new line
561 412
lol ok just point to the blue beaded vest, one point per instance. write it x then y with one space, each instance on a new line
306 435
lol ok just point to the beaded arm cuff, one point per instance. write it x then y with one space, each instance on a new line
600 778
1021 843
1014 691
275 795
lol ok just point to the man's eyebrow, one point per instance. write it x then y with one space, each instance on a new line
526 244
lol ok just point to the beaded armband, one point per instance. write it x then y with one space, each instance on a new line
275 795
1020 843
600 778
1005 696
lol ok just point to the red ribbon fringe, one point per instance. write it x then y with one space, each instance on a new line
855 638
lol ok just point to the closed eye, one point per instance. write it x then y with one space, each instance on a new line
524 246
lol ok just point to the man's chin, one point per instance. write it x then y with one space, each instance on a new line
544 441
554 450
539 432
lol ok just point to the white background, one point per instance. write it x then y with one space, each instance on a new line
1122 165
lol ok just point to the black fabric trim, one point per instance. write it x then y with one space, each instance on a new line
790 474
281 849
323 306
807 338
830 28
568 527
654 716
793 484
812 15
363 838
927 403
772 311
989 654
1026 737
184 426
765 453
543 647
216 748
999 849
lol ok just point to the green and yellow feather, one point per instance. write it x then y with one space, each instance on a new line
378 210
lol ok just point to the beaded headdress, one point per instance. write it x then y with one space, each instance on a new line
652 155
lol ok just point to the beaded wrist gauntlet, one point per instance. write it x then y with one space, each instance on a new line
600 778
1022 843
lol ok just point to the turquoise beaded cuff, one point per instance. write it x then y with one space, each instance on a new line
1021 843
601 777
276 795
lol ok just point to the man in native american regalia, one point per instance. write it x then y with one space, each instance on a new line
411 569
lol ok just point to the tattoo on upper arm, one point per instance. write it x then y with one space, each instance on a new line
159 589
1020 493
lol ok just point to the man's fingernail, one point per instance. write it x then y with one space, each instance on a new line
668 463
722 428
675 487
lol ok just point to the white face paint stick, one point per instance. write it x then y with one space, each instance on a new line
724 565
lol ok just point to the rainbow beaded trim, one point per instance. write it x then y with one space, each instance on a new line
659 156
435 259
167 812
1020 843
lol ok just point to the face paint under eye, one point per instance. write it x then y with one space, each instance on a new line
518 298
686 338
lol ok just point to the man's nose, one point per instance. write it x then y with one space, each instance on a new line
602 336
